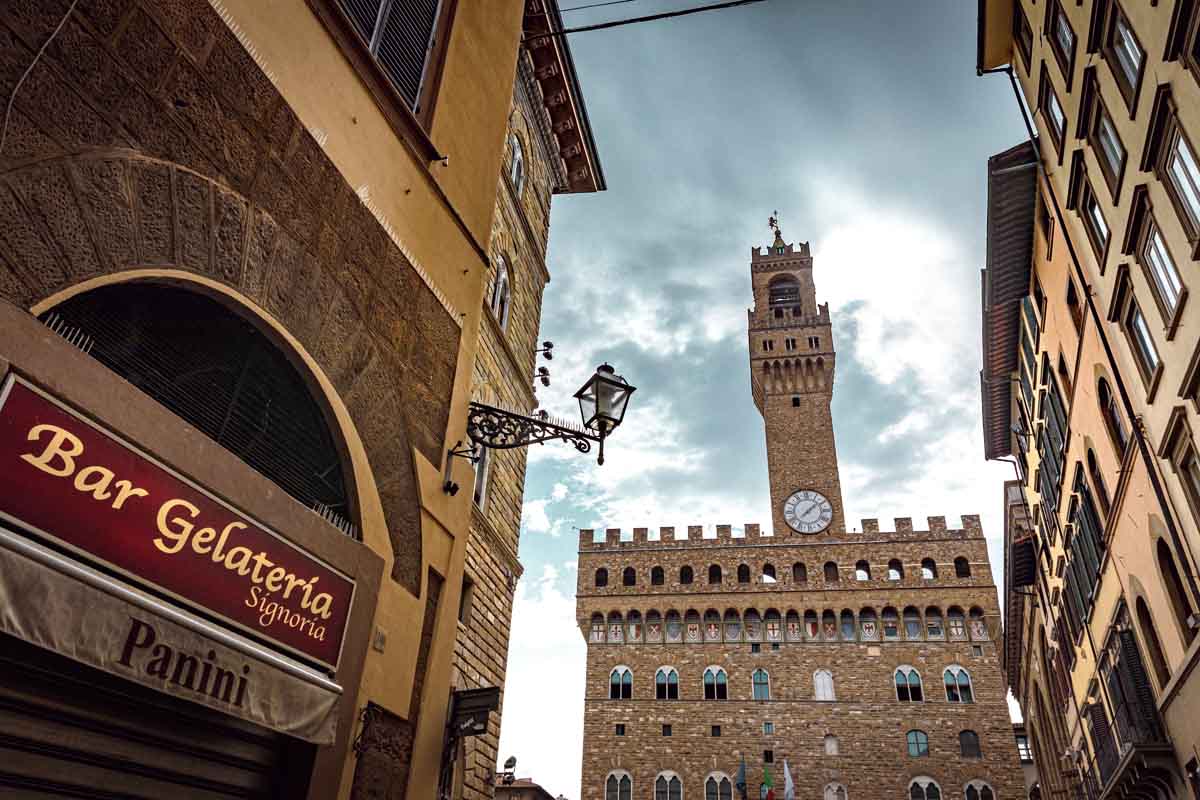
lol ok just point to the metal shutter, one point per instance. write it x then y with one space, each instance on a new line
67 730
404 44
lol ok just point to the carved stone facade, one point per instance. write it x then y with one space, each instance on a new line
867 661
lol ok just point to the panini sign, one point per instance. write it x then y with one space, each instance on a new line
75 483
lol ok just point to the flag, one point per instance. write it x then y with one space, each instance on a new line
789 788
741 778
768 783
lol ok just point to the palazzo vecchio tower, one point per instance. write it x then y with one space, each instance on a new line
867 660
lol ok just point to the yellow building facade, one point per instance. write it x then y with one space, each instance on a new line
246 250
1088 387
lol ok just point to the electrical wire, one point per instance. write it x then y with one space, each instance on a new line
595 5
634 20
29 69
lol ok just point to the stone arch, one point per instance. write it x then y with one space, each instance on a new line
355 313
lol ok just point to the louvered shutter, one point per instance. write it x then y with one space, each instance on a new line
363 15
1102 740
404 44
1139 692
1024 562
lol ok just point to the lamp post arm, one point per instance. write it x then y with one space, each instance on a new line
501 429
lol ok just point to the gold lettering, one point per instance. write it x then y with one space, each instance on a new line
126 490
275 579
95 480
260 561
184 528
321 604
201 540
54 449
239 559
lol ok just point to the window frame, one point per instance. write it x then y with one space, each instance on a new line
413 126
1065 61
1164 135
1081 196
1129 89
1021 27
755 684
1125 311
1046 92
962 744
921 740
1093 114
1139 234
908 672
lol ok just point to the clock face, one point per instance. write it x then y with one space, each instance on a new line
807 511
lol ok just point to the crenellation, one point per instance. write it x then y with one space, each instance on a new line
587 539
751 530
666 534
870 526
904 525
936 524
612 536
970 522
695 532
724 532
641 535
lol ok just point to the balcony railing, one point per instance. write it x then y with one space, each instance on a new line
1130 750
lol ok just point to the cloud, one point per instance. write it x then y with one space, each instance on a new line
559 491
534 517
545 683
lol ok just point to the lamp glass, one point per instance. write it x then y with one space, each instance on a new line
603 399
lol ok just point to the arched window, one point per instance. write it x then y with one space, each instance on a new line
928 569
924 788
212 368
979 631
743 573
862 571
597 634
812 626
712 626
834 791
714 573
831 572
847 625
829 626
918 744
752 623
933 623
1093 468
633 626
799 573
657 578
692 626
768 573
773 625
1174 589
673 627
620 684
1152 644
908 685
912 623
616 628
895 570
666 684
762 684
979 790
654 627
1112 417
957 624
733 625
601 578
958 684
831 745
716 684
891 624
516 169
783 294
667 786
823 685
685 575
968 744
619 786
962 568
795 631
718 787
501 293
629 577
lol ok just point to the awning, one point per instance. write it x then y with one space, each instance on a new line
54 602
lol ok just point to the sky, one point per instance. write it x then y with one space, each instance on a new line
864 124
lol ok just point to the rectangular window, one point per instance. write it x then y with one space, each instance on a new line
716 730
1167 283
666 730
1183 175
768 756
977 650
768 728
1082 198
1022 34
755 647
1173 159
1142 340
400 37
1052 111
620 729
1124 54
1062 39
1096 125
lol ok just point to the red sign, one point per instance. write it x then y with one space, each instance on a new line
64 477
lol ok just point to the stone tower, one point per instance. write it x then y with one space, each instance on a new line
866 661
791 374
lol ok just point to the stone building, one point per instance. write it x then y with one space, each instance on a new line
867 661
546 99
1091 356
246 248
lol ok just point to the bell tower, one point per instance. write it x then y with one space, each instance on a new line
791 376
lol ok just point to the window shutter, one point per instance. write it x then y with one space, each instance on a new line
1024 561
1102 739
363 15
404 44
1138 690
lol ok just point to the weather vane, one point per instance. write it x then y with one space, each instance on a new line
773 222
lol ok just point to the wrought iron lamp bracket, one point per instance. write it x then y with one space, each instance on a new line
500 429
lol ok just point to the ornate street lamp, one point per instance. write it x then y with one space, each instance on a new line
602 403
